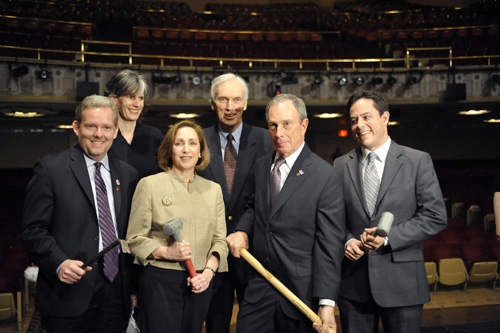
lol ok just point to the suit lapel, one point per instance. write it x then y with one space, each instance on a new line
262 183
246 154
298 174
79 168
392 165
216 166
354 167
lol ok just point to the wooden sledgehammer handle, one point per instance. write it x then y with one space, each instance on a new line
282 288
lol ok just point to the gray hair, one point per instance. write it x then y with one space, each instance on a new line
96 101
298 103
226 77
125 83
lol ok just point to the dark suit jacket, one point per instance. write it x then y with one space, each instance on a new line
60 222
254 143
300 239
395 275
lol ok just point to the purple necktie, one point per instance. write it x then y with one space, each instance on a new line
230 163
106 225
276 179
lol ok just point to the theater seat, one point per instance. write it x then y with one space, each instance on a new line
432 274
483 272
452 272
7 306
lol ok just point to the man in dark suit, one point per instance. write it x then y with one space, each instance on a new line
384 277
66 204
296 227
229 96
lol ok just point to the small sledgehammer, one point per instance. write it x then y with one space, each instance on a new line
173 228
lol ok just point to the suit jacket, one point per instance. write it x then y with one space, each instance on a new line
60 222
254 143
395 274
300 239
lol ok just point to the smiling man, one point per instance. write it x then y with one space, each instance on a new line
384 278
296 228
232 160
77 203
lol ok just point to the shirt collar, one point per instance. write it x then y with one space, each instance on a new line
90 162
236 133
290 160
381 151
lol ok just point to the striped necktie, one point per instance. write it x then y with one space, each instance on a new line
230 158
276 179
371 183
106 225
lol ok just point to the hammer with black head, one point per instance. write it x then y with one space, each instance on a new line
173 228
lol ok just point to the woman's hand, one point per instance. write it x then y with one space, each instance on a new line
177 251
200 282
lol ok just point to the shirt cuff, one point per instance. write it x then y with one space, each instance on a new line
326 301
386 241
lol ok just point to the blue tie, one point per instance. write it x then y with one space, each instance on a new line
106 225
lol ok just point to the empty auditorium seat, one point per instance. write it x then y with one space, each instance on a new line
443 251
489 223
472 253
474 215
452 272
432 274
483 272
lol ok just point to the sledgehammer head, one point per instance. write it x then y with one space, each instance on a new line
173 228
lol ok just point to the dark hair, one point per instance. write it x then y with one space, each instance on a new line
165 150
379 100
126 82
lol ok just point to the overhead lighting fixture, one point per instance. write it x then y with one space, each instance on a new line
65 126
20 114
473 112
376 81
328 115
318 80
184 115
342 81
43 74
392 81
393 123
19 71
359 81
492 121
196 80
176 79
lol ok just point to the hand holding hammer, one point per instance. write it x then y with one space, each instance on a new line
173 228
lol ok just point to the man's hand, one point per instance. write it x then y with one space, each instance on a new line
71 272
369 242
327 315
353 250
236 241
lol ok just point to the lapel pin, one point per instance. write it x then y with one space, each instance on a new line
166 201
300 173
118 182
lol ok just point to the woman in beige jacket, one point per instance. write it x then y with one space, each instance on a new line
169 300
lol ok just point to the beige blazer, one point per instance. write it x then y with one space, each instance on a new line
162 197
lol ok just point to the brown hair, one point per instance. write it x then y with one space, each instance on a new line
165 149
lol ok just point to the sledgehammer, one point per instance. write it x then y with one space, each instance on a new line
173 228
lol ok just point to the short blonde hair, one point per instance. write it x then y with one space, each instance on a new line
165 150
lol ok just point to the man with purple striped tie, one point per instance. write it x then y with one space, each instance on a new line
77 203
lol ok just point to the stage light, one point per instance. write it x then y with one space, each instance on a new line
176 79
43 74
196 80
359 81
318 80
392 81
19 71
342 81
376 81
